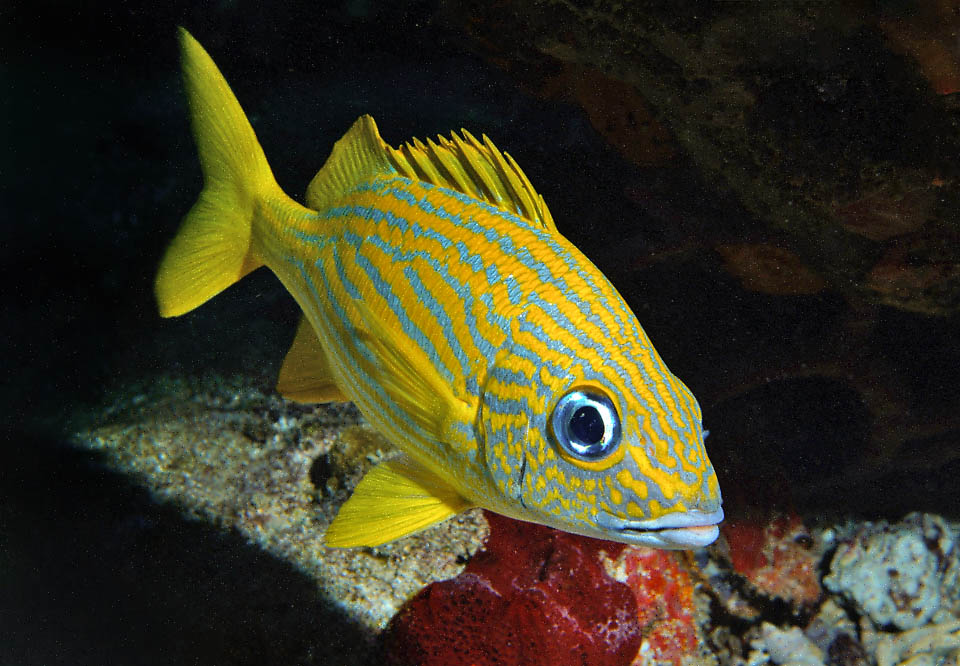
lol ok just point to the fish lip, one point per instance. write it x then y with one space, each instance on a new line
677 531
692 518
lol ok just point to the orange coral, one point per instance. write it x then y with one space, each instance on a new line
778 558
666 609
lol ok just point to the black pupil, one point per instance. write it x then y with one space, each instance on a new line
586 425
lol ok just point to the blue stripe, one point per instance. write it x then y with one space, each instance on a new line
383 288
512 377
508 247
389 187
397 255
360 381
446 325
497 405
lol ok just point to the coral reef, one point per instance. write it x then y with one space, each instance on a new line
532 596
277 472
786 646
901 575
934 644
668 612
836 635
778 558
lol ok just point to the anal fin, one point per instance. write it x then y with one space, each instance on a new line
305 375
394 499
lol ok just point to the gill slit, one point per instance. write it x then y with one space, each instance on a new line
523 472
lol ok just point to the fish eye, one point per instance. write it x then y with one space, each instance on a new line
585 424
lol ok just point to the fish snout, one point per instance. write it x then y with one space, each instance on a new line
674 531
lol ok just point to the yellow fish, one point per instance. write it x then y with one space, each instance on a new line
439 297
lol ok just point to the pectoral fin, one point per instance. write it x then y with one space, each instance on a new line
407 375
305 375
394 499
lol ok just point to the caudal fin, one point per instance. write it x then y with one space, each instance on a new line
212 249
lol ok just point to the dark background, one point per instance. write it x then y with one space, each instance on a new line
98 168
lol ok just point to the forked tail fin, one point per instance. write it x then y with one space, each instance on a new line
212 249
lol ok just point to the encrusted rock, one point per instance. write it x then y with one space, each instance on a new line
901 574
788 647
832 631
933 645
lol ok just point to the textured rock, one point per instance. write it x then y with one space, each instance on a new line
788 647
899 574
668 613
836 635
933 645
277 472
778 558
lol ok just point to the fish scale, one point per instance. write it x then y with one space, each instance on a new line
439 296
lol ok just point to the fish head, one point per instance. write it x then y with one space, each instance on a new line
609 447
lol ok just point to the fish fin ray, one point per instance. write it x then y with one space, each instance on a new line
358 157
477 169
213 247
305 375
395 499
460 163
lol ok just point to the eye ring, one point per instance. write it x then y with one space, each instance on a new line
585 425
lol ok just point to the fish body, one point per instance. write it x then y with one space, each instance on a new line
439 296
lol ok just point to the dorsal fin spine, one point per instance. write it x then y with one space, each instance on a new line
472 166
427 170
471 158
516 188
453 167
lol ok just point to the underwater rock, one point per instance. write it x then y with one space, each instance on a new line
788 647
237 457
667 609
933 645
927 34
534 595
919 273
835 634
883 214
616 111
900 574
276 472
778 559
794 115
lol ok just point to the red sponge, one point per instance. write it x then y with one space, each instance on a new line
533 596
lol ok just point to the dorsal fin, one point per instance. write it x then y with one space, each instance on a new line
359 156
461 163
477 169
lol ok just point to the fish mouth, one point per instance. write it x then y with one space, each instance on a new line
675 531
